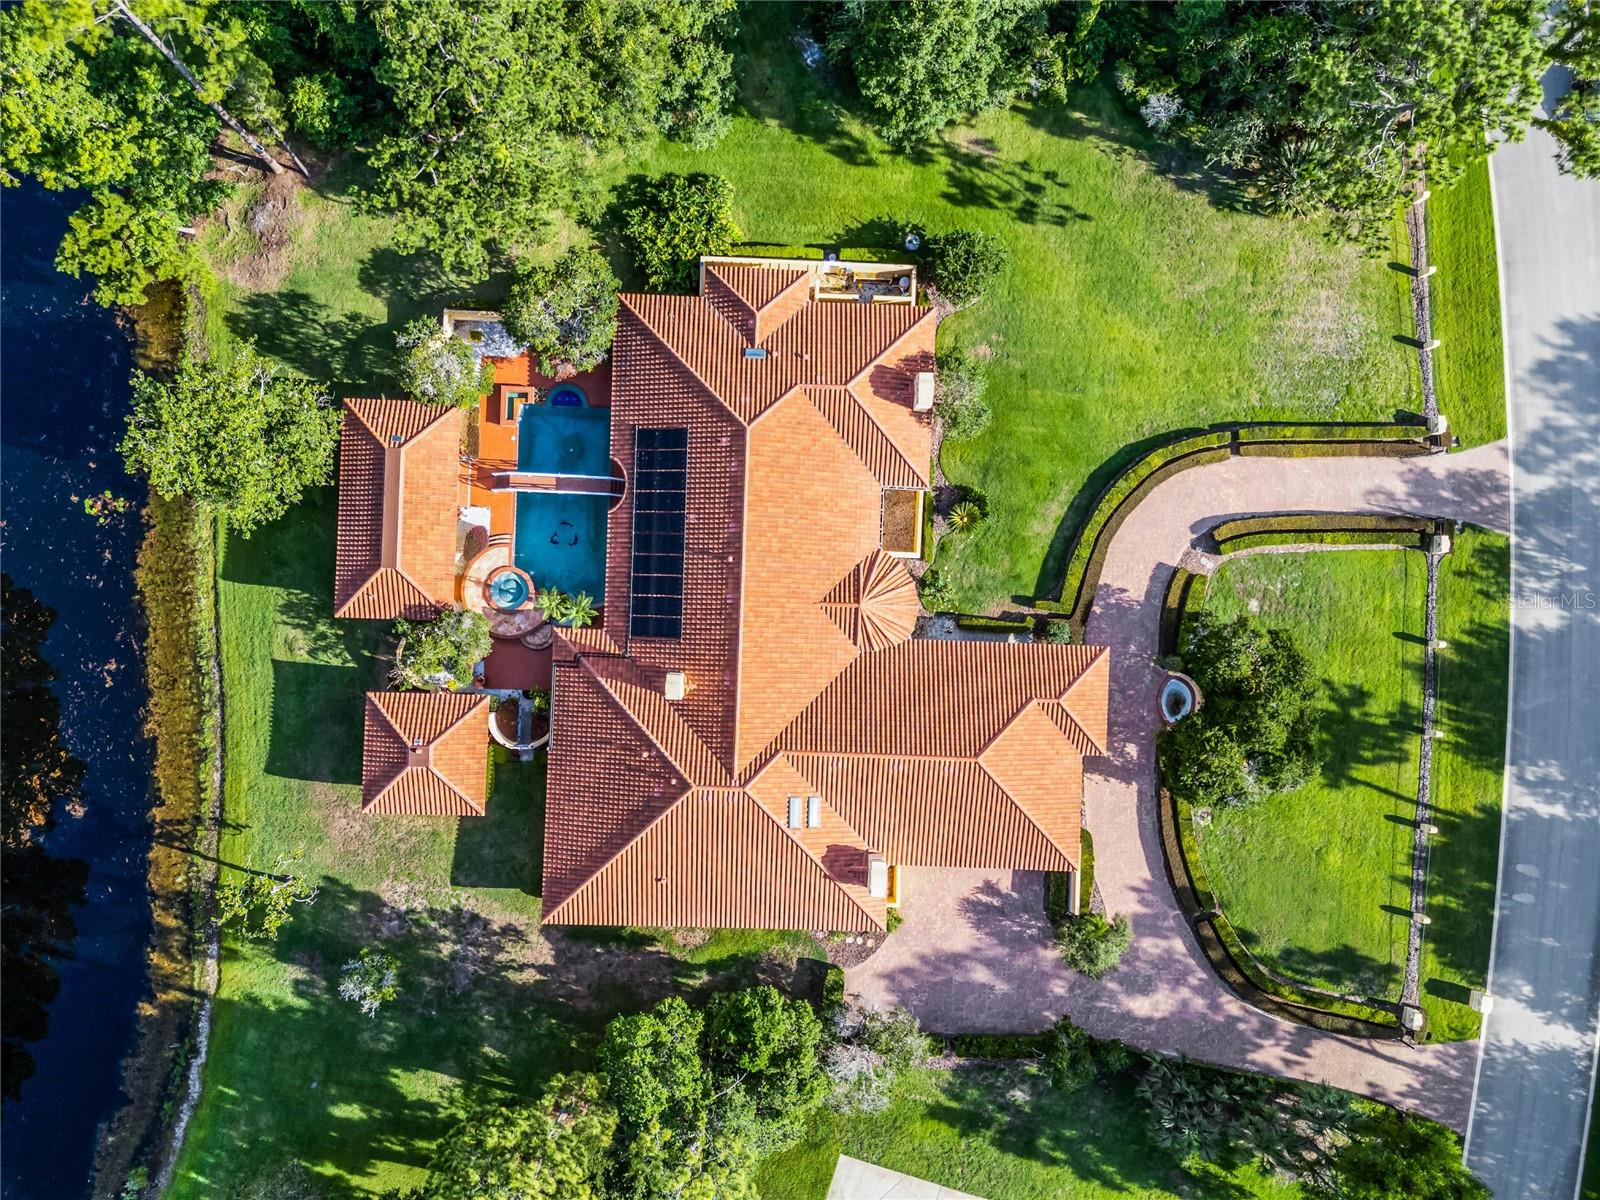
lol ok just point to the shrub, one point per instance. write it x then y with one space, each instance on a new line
960 400
674 221
872 1047
321 110
963 264
441 653
937 595
261 904
370 980
1257 732
436 368
1069 1056
1058 633
1092 945
565 311
578 611
965 516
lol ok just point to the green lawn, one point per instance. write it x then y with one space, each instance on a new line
1317 880
1005 1134
1469 371
1474 610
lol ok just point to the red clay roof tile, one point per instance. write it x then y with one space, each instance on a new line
425 753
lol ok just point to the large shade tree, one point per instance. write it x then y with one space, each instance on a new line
565 312
1575 120
1336 106
242 436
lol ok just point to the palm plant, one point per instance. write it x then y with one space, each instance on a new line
551 603
965 516
578 610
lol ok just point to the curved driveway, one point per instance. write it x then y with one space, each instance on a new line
973 951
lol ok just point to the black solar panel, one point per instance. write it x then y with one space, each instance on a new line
660 482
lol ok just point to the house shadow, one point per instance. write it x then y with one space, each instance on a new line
316 721
504 848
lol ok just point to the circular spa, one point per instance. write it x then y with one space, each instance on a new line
1180 696
509 589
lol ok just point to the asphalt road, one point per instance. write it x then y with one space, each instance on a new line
1537 1065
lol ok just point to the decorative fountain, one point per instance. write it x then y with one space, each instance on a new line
1179 697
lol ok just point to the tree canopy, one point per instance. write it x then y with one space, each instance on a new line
565 311
1575 122
922 64
1335 105
241 436
437 368
554 1149
670 222
1392 1156
1256 731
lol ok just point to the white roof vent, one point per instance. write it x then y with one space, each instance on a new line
877 877
675 687
924 392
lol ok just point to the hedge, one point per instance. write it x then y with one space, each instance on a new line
1232 960
1385 432
1334 537
999 1045
1331 449
1172 607
765 251
1305 521
996 624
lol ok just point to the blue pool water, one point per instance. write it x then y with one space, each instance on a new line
561 541
568 395
560 536
564 440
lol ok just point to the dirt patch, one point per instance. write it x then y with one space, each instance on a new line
267 226
851 950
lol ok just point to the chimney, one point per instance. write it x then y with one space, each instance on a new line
676 685
877 877
924 392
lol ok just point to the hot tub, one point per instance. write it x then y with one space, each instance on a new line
509 589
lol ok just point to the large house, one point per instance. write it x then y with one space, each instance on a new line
750 735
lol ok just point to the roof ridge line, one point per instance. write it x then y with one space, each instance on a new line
887 349
548 917
678 358
1023 809
1094 661
804 849
849 390
616 701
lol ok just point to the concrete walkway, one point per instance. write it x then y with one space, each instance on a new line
1537 1075
973 951
857 1180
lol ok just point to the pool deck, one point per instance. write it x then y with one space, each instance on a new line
497 441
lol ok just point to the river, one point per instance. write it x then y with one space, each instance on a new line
64 366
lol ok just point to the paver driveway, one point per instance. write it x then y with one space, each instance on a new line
973 951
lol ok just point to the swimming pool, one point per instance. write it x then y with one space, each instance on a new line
561 541
561 535
564 440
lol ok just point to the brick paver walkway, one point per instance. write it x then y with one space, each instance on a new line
973 953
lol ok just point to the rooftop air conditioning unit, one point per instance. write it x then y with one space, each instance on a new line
924 392
877 877
677 684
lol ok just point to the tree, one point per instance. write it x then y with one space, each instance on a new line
1335 106
371 979
127 247
554 1149
922 64
872 1047
768 1044
566 311
1257 730
1391 1156
960 400
441 653
239 436
963 263
437 368
670 222
261 904
1575 122
1092 945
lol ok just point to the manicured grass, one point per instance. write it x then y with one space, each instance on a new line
1468 366
1316 880
1468 765
1006 1134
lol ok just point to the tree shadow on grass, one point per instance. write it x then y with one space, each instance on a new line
350 352
1347 969
504 848
316 721
1356 732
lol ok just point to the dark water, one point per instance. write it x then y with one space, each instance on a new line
64 365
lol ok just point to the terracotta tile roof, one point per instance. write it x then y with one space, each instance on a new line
425 753
875 605
802 677
398 464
